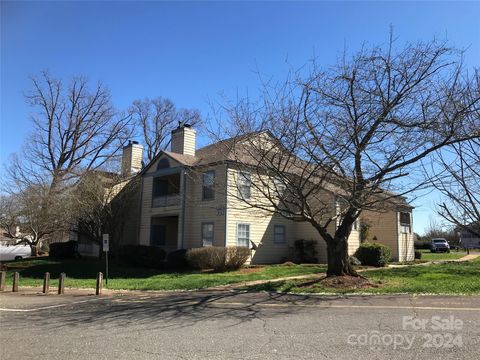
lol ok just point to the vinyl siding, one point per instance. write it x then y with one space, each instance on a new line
198 211
262 224
306 231
183 141
406 250
385 227
147 211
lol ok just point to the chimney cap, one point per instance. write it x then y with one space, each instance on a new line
182 124
130 143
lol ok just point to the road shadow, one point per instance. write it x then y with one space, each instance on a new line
165 311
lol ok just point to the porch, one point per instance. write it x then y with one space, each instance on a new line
164 232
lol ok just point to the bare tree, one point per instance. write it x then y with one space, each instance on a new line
35 213
156 118
75 129
457 177
336 142
101 204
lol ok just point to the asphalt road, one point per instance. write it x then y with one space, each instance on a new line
228 325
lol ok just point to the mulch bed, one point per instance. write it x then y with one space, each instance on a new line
341 282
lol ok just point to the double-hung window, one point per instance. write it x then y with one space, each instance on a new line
244 184
207 234
208 188
279 234
405 222
243 235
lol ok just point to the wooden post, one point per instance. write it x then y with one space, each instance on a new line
16 280
3 277
61 284
99 286
46 283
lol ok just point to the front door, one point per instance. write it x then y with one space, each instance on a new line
158 235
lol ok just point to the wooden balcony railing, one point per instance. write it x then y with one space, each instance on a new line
166 200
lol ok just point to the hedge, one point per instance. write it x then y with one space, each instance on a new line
141 256
218 258
373 254
63 250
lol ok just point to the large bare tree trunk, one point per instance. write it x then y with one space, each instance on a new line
338 261
34 249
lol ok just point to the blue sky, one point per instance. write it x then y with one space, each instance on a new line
192 52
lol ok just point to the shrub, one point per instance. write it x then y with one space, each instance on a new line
212 257
418 255
141 256
373 254
63 250
177 259
305 251
236 257
44 247
217 258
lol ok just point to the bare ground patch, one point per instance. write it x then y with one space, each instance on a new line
340 282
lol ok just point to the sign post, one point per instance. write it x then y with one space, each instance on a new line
105 249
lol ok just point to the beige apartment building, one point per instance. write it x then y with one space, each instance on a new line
188 198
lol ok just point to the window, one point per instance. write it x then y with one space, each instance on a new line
279 234
163 164
207 234
158 234
243 235
208 191
244 182
405 222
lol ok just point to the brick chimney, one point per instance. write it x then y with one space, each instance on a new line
184 139
132 157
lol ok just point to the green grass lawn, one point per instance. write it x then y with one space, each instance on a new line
429 256
81 273
449 278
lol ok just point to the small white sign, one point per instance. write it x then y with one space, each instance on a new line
105 242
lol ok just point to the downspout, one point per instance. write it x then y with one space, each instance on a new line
139 224
399 238
226 204
184 192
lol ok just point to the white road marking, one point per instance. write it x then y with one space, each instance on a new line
50 306
350 306
246 304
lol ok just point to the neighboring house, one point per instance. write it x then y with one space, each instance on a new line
469 236
187 199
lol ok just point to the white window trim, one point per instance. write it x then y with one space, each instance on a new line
213 232
249 234
240 179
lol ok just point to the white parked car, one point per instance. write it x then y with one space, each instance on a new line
15 252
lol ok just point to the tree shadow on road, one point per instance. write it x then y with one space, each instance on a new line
175 310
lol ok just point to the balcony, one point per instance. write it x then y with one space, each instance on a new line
166 200
166 191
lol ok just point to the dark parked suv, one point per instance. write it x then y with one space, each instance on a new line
439 245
